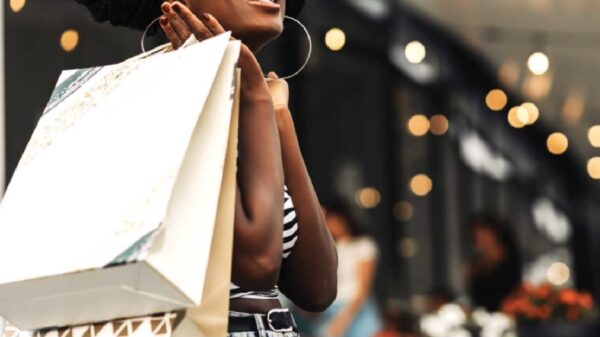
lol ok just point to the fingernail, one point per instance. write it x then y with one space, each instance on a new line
177 7
166 8
206 17
163 21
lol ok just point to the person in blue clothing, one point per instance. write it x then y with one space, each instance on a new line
353 313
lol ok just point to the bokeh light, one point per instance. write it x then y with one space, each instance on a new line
418 125
335 39
558 273
438 124
509 73
523 115
593 168
403 211
496 100
69 40
538 63
594 135
421 185
415 52
573 108
513 118
557 143
368 197
17 5
408 247
533 113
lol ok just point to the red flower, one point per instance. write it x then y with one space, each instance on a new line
568 297
586 301
544 302
542 292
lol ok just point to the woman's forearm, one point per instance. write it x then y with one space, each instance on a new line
310 277
259 200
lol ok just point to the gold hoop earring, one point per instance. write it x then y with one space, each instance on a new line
146 33
310 47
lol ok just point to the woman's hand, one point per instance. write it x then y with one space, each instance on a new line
179 23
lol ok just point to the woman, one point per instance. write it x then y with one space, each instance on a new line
354 313
296 255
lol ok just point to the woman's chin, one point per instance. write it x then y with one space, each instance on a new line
258 36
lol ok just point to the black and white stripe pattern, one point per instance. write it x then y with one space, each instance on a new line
290 236
290 225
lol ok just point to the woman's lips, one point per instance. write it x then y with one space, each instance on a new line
267 4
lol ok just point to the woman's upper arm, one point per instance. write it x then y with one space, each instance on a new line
257 251
309 275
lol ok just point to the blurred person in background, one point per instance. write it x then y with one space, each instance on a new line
495 269
353 313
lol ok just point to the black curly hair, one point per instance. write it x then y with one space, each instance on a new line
138 14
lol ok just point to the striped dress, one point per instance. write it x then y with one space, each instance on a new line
290 236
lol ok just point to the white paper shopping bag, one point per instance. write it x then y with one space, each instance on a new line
161 325
111 211
210 319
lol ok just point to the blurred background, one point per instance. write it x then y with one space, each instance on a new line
458 137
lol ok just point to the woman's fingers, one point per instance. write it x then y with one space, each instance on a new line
179 23
197 27
170 33
178 26
212 24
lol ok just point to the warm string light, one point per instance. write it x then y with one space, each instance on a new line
573 108
438 125
509 73
403 211
69 40
418 125
408 247
421 185
533 113
523 115
558 274
594 135
593 168
415 52
368 197
513 118
538 63
17 5
496 100
335 39
557 143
